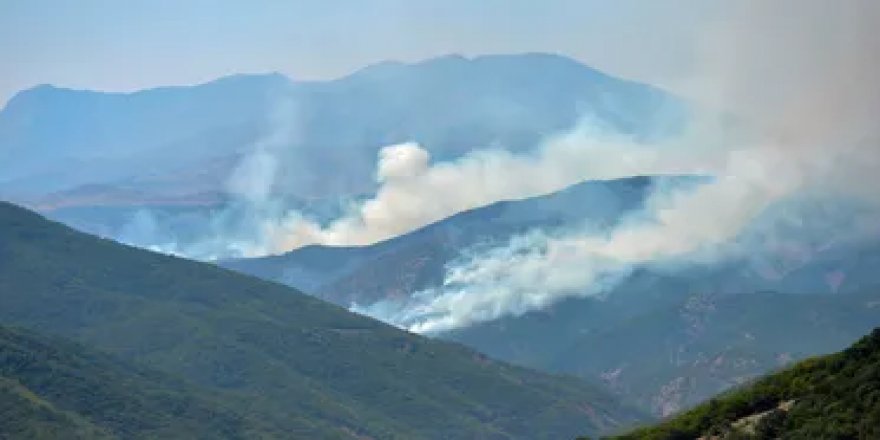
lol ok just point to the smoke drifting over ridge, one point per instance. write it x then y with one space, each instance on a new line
413 192
799 79
801 74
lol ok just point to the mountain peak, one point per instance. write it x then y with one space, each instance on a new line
261 78
540 62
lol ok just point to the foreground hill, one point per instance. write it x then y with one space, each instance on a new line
51 388
830 397
309 368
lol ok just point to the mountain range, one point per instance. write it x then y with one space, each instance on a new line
449 105
155 166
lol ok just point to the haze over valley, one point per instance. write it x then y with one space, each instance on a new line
456 236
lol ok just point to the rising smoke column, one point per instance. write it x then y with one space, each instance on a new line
251 189
801 74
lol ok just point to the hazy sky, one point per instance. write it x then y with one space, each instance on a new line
127 45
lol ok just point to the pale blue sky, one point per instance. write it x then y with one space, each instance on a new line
127 45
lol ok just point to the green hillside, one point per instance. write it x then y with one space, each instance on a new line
830 397
23 414
301 366
52 388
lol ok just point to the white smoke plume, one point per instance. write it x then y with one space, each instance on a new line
252 188
802 74
412 192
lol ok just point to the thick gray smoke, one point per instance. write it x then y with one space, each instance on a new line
802 75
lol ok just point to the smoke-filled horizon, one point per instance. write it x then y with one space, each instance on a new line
803 76
797 77
412 190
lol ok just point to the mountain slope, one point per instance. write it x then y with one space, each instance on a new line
24 415
415 261
681 337
836 396
677 340
51 386
311 368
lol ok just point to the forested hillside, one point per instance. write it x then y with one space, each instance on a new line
830 397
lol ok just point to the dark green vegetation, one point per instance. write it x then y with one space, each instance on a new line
52 388
25 415
830 397
268 353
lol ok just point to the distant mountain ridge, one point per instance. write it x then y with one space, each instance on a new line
97 161
55 139
116 138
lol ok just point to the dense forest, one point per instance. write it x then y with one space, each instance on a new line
53 388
